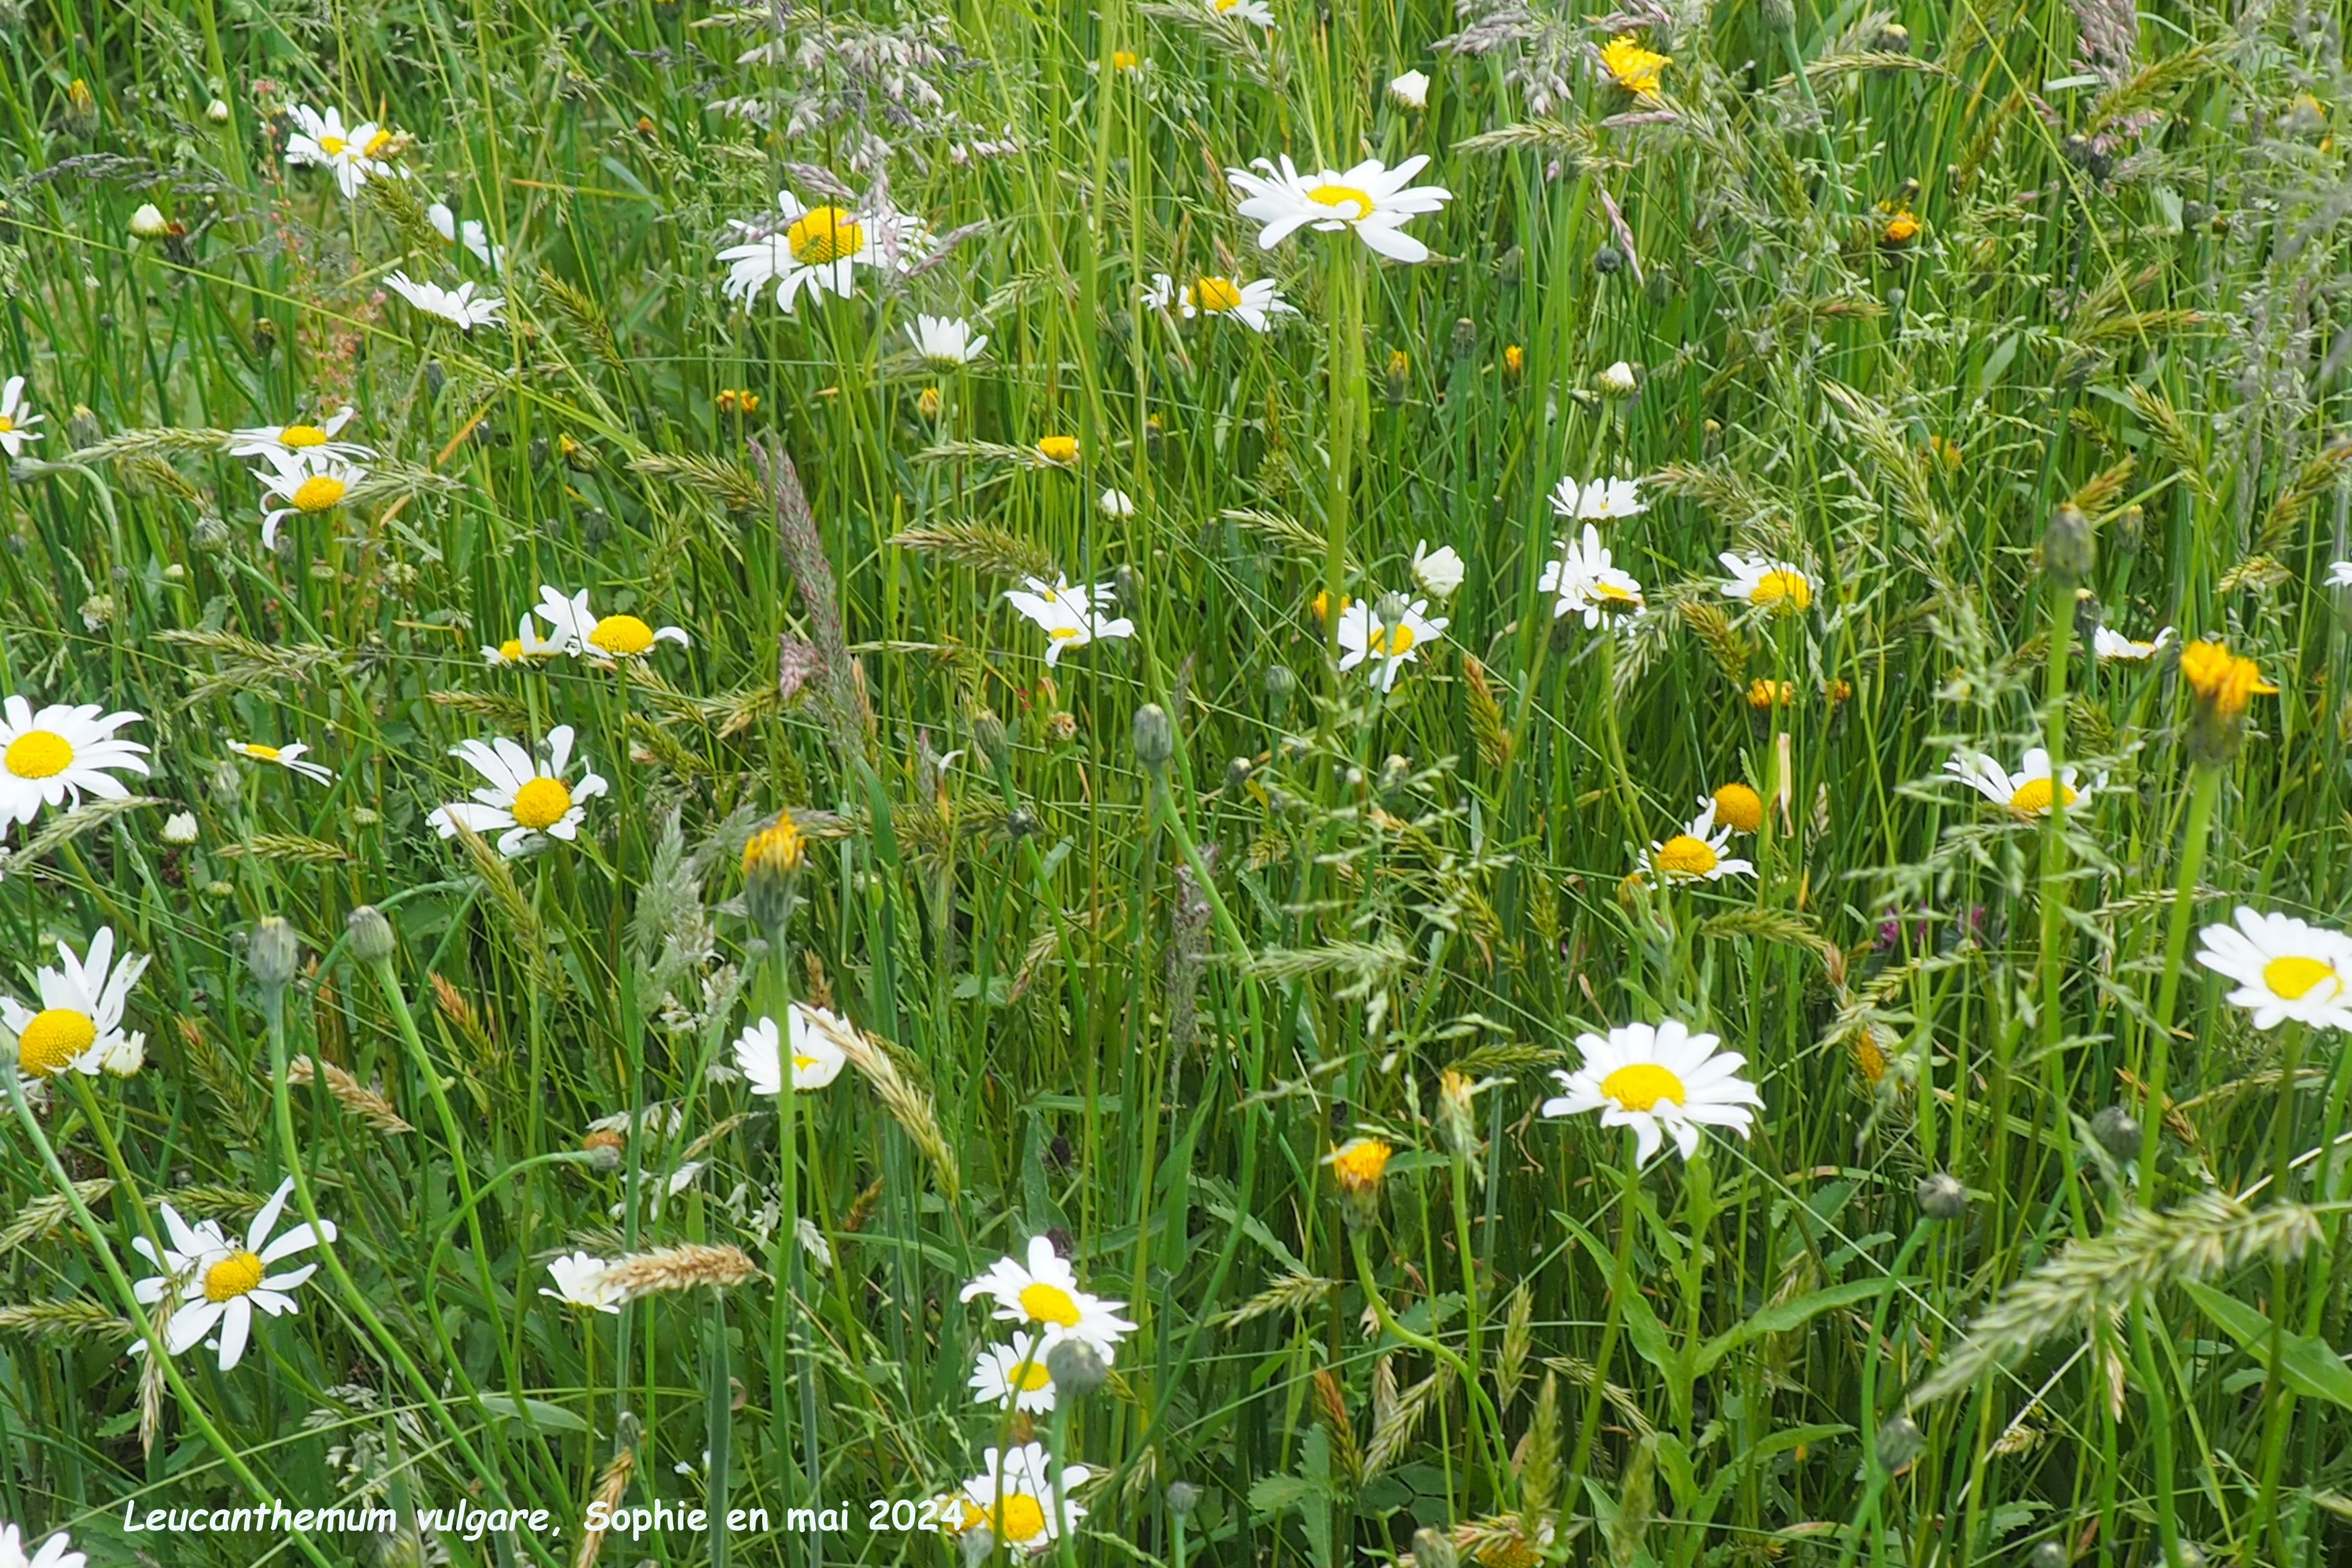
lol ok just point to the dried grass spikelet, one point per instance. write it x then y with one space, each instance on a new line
689 1265
350 1093
2140 1252
1487 724
610 1486
44 1214
910 1106
1295 1293
1716 633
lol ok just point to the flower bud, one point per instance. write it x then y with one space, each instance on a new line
217 111
988 737
1279 685
1456 1116
1618 381
1779 16
772 864
180 829
1899 1442
1076 1367
370 935
2051 1553
1237 772
2069 548
273 954
1941 1196
1608 259
1116 504
1432 1548
978 1543
149 222
2118 1133
1465 338
82 429
1398 380
1155 736
1184 1497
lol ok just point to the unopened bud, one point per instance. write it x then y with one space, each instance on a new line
2069 548
1899 1442
772 862
1279 685
1779 16
1184 1497
273 954
989 737
82 429
1432 1548
1465 338
2051 1553
1076 1367
1155 736
2118 1133
370 935
1398 380
1941 1196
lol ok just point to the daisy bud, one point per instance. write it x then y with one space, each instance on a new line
1410 91
1899 1442
265 336
273 954
1618 381
1608 259
370 935
210 535
1279 685
1466 339
1779 16
1508 266
217 111
149 222
1941 1196
1432 1548
1076 1367
1237 772
2051 1553
2129 527
1116 504
2118 1133
180 829
1457 1120
771 863
1155 737
2069 549
226 786
1184 1497
83 428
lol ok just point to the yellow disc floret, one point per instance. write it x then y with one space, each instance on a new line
54 1037
1740 808
1781 590
1048 1303
1216 295
622 635
1639 1086
542 803
823 235
2033 797
238 1273
1019 1518
1683 856
39 754
2297 976
319 492
299 436
1335 195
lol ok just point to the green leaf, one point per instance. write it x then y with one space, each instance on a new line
552 1416
1641 1325
2310 1366
1782 1316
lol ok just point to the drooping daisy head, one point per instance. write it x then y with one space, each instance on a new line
580 1282
2285 968
460 306
219 1280
527 646
1439 571
1631 67
309 480
1779 586
1696 854
1021 1500
288 757
1598 499
1014 1374
55 1552
17 422
1386 635
530 798
1372 199
945 342
1043 1293
2027 792
301 436
79 1025
1658 1082
2111 645
816 1058
51 756
600 639
1585 581
1070 614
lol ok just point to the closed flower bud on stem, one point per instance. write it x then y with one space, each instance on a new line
1899 1442
370 935
1155 737
1432 1548
2118 1133
1076 1367
1941 1196
2069 547
989 738
274 952
1184 1497
772 865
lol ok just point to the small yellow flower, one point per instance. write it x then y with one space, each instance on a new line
1900 228
2220 679
1124 60
1059 449
1764 693
1944 451
1358 1165
1738 808
927 403
1634 68
1515 362
771 863
737 400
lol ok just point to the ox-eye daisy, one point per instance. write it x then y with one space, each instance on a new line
527 646
460 306
602 639
1600 499
580 1282
288 757
1070 613
944 343
2340 574
2285 968
310 480
819 249
1775 585
219 1281
53 1552
1372 199
1586 582
49 757
2114 645
286 440
353 153
17 422
80 1023
1254 304
1696 854
816 1060
2027 791
1014 1374
1255 12
1045 1292
1658 1082
524 795
1386 636
1021 1500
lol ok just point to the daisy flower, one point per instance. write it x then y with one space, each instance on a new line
1045 1292
2285 968
1071 614
1253 304
220 1281
818 249
286 440
2340 575
1774 586
1585 581
288 757
80 1025
816 1060
460 306
1410 91
1386 636
50 756
1257 13
602 639
1016 1496
308 479
1658 1082
14 1553
1601 500
945 342
2027 791
2114 645
1014 1374
527 646
1439 571
471 234
17 422
1696 854
353 152
1634 68
1372 199
524 796
580 1282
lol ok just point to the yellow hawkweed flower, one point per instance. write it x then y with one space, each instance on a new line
1764 693
1900 228
1358 1166
1634 68
2221 684
772 861
1738 808
1059 449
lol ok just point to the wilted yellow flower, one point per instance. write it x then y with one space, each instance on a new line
2221 684
927 403
1634 68
1515 361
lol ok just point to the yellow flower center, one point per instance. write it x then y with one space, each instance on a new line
1216 295
1683 856
622 635
823 235
510 649
39 754
1335 195
1063 634
234 1276
260 753
2292 977
2033 796
1738 808
1034 1375
1610 593
54 1037
1020 1518
802 1063
1782 589
377 143
1639 1086
1392 641
1122 59
319 492
7 425
1059 449
1048 1304
333 146
301 436
542 803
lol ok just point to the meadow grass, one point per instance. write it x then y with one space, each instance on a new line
1993 325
